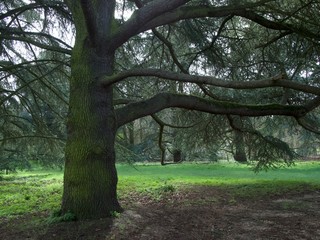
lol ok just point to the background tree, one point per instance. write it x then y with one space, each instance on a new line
226 44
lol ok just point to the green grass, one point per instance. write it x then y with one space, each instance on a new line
29 192
38 191
229 175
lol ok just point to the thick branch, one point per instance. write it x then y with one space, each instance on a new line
160 12
141 16
161 101
89 14
191 12
276 81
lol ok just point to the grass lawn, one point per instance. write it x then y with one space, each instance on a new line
41 190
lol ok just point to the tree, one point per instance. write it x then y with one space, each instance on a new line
218 30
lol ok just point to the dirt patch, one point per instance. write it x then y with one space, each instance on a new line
193 213
211 213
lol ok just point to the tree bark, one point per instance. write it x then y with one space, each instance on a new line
240 153
177 156
90 177
236 124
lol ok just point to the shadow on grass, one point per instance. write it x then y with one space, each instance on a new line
36 226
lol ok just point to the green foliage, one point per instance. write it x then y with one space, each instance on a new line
34 90
115 214
166 188
271 152
57 217
159 190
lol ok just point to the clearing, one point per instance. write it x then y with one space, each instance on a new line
196 213
264 209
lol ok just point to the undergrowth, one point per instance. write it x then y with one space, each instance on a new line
57 217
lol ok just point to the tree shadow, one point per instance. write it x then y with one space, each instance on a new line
84 229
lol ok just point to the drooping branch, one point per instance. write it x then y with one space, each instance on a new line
8 32
275 81
36 77
161 101
161 146
160 12
32 136
140 23
58 5
312 104
162 124
37 44
192 12
169 45
308 125
281 35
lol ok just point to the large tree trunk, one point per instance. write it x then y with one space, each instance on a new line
90 177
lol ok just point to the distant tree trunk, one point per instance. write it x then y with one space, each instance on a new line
131 134
240 153
177 156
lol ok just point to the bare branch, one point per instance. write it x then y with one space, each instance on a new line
161 101
276 81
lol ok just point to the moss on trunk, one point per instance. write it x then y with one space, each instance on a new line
90 178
